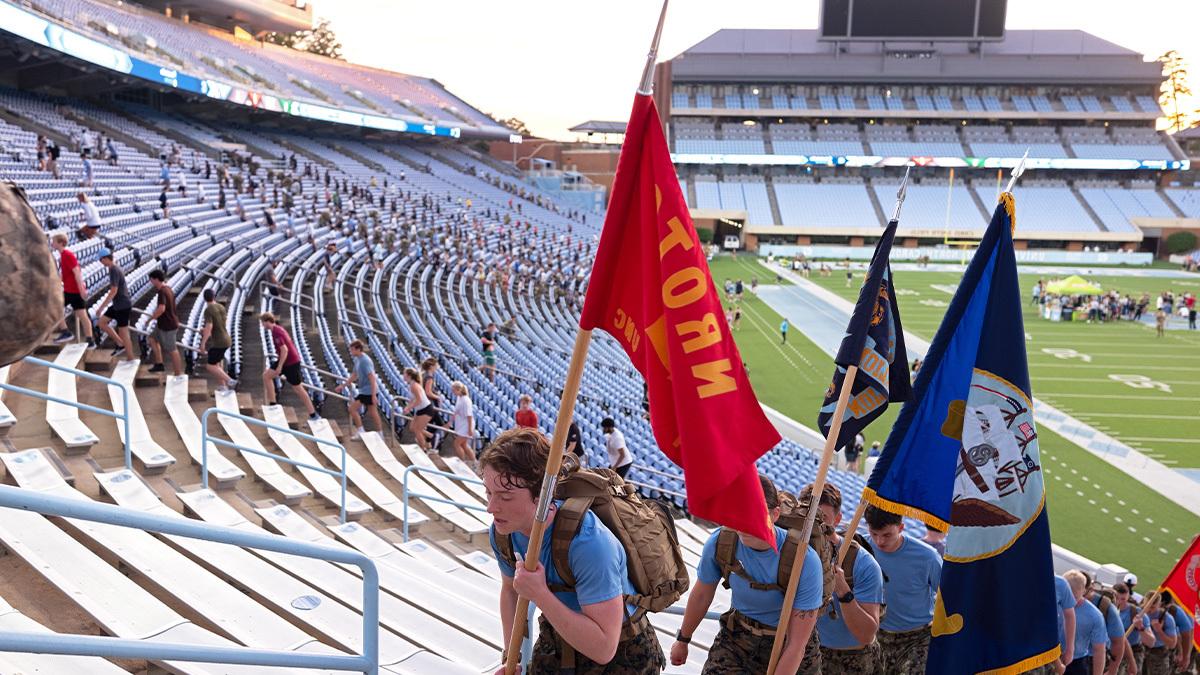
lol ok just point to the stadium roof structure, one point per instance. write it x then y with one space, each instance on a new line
599 127
1049 57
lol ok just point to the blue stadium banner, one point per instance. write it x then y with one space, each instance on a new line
874 342
963 454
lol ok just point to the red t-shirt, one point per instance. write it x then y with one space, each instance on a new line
281 339
68 263
526 417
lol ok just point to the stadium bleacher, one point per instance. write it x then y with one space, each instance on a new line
430 244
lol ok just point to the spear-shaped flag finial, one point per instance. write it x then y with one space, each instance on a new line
646 87
1017 171
901 193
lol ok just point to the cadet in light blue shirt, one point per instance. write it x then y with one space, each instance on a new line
912 571
847 628
587 620
748 629
1186 631
1112 625
1064 599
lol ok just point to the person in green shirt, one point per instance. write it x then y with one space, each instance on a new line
214 339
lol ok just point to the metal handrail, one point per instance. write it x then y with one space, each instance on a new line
436 498
76 404
90 645
656 488
205 439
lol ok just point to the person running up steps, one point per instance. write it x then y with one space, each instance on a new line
75 292
286 364
166 326
619 457
115 307
363 379
464 424
214 340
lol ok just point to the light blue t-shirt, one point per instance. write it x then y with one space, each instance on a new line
1112 621
1169 626
868 589
1089 629
596 558
363 367
910 581
1064 599
1183 623
783 326
763 567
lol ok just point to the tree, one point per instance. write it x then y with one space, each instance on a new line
320 40
517 126
1176 94
1181 242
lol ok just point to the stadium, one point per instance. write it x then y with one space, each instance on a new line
225 215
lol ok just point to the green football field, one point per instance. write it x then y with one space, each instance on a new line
1117 377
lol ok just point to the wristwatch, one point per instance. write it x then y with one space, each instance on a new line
679 637
848 597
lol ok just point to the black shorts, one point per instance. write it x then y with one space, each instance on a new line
427 411
290 373
75 301
121 316
216 355
365 399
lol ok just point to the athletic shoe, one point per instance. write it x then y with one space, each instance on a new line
65 336
232 385
157 368
119 351
91 344
314 417
356 435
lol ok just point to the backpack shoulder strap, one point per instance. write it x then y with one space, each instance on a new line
848 563
725 557
787 558
567 522
504 543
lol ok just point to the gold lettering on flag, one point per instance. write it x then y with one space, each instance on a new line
706 333
696 287
716 375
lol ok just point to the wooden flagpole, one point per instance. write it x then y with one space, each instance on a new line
565 408
785 613
558 442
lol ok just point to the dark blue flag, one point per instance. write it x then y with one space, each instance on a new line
963 455
874 342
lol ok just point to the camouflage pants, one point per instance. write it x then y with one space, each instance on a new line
903 653
1190 668
638 655
1158 661
849 661
743 647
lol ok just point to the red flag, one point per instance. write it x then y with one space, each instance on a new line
1184 583
651 290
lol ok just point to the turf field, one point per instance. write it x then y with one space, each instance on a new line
1095 509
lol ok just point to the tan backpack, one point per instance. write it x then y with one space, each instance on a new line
791 518
644 528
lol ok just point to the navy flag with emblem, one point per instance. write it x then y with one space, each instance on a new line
874 342
963 455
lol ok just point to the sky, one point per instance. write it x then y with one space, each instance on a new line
556 63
